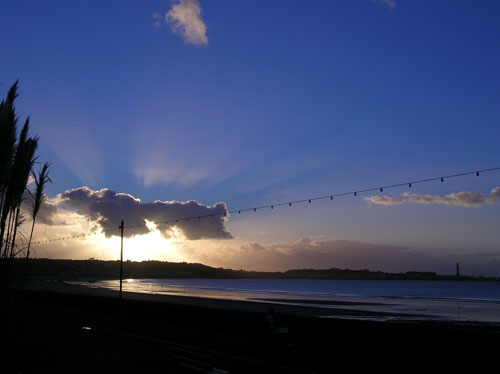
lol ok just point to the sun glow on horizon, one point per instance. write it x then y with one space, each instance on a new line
150 246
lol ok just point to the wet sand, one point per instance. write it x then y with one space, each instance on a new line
257 305
61 328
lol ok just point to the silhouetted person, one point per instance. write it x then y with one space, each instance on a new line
274 328
277 338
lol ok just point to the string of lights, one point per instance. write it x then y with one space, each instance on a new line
272 206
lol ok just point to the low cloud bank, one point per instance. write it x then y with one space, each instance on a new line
343 254
321 254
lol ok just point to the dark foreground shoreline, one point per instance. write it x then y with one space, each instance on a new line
73 329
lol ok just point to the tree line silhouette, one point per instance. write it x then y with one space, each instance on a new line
95 270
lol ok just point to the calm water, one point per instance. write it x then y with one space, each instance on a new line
408 300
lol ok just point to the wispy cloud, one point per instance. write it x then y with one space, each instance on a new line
184 178
159 19
463 199
388 3
184 18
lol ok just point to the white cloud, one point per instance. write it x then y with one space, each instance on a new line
462 199
184 18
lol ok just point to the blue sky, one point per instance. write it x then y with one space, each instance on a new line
251 103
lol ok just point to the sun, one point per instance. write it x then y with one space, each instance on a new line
150 246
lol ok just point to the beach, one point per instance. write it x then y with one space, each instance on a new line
377 300
66 328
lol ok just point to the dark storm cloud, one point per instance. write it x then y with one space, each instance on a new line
48 213
107 208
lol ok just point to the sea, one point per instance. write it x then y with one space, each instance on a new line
444 301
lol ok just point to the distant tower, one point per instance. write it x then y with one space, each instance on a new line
458 269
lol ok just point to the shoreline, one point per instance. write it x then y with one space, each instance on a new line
406 309
251 305
87 326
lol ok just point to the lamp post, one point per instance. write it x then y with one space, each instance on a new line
121 263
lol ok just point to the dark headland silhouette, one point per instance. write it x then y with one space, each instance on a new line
92 269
